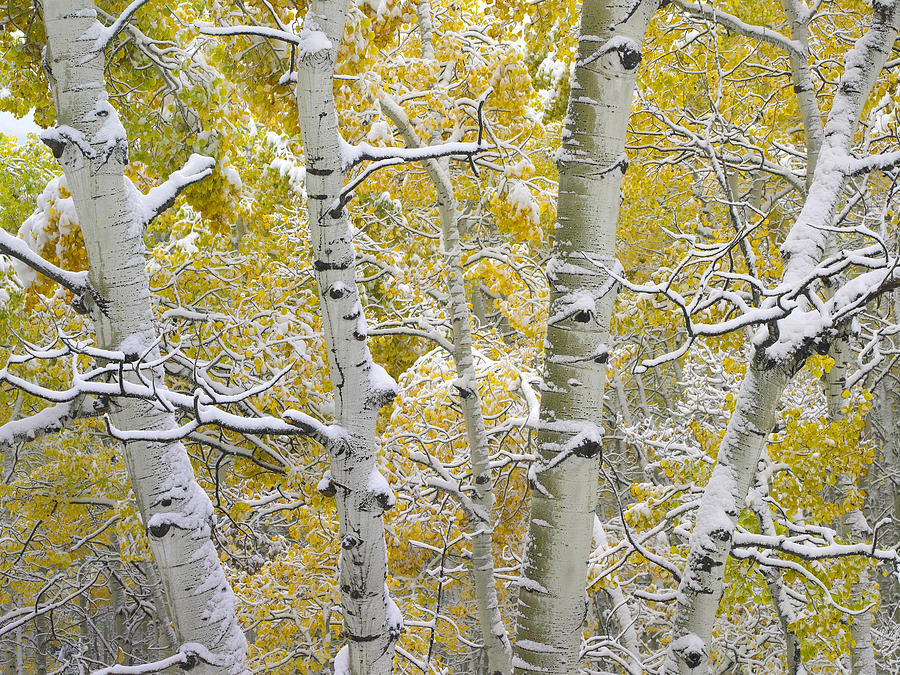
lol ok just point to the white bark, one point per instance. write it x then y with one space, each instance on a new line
701 586
781 601
92 149
361 388
798 16
853 525
493 632
565 478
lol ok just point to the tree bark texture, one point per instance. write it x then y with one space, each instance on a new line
371 620
91 146
566 474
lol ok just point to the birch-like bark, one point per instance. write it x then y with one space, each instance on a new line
852 525
781 601
565 477
701 584
798 16
91 146
493 632
372 622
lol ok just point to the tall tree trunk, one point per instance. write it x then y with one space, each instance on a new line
798 16
493 632
565 478
91 146
852 525
701 584
371 620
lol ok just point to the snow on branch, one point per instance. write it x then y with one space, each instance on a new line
311 40
882 162
105 34
158 199
203 404
260 31
351 155
795 546
51 419
779 563
76 282
354 154
188 655
17 618
731 22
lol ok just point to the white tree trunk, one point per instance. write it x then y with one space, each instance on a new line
701 587
493 632
798 16
91 146
371 620
565 478
853 525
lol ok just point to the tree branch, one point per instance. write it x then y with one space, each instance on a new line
733 23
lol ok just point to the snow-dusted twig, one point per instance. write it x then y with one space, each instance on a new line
19 617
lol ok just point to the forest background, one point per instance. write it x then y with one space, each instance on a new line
450 337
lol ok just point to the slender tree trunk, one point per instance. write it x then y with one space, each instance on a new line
565 477
852 525
701 586
91 146
798 19
493 632
372 622
781 601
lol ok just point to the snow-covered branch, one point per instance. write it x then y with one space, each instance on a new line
203 405
107 33
258 31
76 282
158 199
808 551
187 656
731 22
19 617
51 419
354 154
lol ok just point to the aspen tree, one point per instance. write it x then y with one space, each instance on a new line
565 477
772 366
372 622
91 146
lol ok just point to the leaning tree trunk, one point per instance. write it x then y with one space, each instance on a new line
566 475
701 586
91 146
371 620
